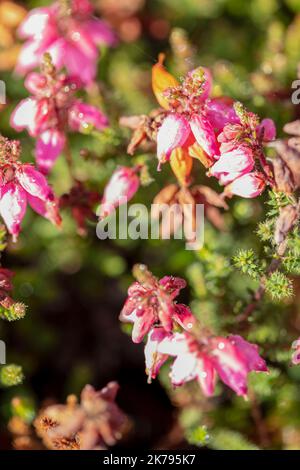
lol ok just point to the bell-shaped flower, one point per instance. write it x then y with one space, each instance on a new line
205 135
249 185
172 134
232 358
51 112
71 36
233 164
121 187
152 303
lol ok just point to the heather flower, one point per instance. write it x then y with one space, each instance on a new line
121 187
51 111
233 164
151 302
69 32
225 137
249 185
22 184
186 103
241 145
231 358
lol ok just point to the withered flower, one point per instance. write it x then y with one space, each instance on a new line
93 424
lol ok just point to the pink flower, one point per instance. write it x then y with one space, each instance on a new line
232 358
249 185
72 38
51 112
121 187
220 112
267 129
204 134
13 204
82 114
233 164
296 353
152 303
173 133
23 184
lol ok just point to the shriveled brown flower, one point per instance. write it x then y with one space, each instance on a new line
286 166
94 423
81 201
172 202
144 129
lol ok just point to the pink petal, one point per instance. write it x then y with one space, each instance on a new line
173 285
81 113
184 317
78 64
230 365
28 57
249 352
82 7
35 82
48 209
100 32
249 185
174 344
220 111
13 207
153 358
49 145
142 326
24 116
184 369
206 375
234 163
121 187
204 134
268 129
34 182
57 49
173 133
35 23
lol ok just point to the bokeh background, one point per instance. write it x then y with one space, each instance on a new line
75 286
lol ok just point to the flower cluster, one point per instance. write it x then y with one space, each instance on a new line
199 355
69 32
22 184
52 111
121 187
227 139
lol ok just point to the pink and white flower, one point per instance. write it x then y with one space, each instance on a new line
231 358
51 112
233 164
22 184
121 187
249 185
152 303
71 36
229 139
